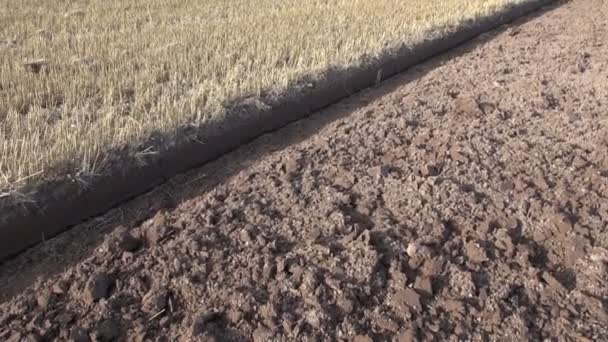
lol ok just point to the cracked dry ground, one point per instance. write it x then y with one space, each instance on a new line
465 199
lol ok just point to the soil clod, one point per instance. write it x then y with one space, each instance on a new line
97 287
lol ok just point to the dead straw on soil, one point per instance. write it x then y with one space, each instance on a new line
81 78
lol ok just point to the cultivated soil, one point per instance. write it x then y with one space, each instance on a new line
464 199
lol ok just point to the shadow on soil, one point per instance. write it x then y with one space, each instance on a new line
75 245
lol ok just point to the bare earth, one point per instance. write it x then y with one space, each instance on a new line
465 199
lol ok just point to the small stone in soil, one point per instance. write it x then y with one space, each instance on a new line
553 282
164 322
346 305
410 298
245 236
475 252
424 285
562 223
155 233
504 242
468 106
262 334
461 283
292 165
454 306
43 300
59 287
314 318
417 250
432 267
387 324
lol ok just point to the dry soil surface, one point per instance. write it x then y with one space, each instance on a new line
465 199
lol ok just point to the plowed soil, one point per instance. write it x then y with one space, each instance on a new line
466 199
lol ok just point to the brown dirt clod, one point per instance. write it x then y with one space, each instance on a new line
97 287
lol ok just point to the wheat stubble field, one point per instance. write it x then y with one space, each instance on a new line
81 78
